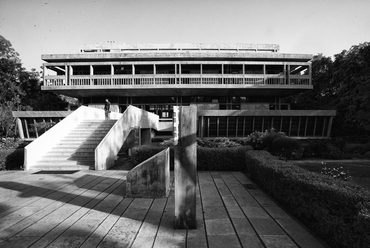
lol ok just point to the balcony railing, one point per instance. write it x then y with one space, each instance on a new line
101 80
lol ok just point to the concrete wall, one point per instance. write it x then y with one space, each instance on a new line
107 150
151 178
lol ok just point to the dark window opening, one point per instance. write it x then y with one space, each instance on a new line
122 69
233 69
274 69
81 70
212 69
165 69
253 69
102 69
190 69
144 69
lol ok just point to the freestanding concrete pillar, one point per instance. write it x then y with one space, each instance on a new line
185 168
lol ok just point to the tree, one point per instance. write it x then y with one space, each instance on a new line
342 84
20 89
10 70
352 79
324 90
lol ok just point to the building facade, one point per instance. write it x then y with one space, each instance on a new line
238 88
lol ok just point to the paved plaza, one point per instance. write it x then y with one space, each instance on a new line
88 209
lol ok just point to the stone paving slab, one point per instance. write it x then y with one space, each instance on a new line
88 209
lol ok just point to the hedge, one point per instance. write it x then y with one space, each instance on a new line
216 159
338 211
11 159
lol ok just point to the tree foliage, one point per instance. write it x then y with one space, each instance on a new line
352 78
343 85
20 89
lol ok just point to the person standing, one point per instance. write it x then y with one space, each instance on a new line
107 108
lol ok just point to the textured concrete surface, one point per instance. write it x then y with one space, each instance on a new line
88 209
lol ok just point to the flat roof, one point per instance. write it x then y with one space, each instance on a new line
116 47
149 56
177 52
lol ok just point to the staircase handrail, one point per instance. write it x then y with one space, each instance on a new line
47 140
108 148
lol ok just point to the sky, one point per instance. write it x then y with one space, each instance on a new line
36 27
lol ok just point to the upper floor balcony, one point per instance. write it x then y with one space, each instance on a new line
186 78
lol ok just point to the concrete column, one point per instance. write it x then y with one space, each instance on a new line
91 73
146 136
20 128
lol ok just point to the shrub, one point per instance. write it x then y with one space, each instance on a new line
262 140
221 159
254 140
359 150
11 143
168 142
11 159
141 153
339 211
284 146
337 172
207 158
336 148
267 142
221 142
11 154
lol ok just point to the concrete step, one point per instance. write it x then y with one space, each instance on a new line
71 150
62 167
76 151
79 138
77 141
76 145
87 131
57 162
86 135
72 154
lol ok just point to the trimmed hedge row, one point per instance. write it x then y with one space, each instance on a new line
11 159
338 211
216 159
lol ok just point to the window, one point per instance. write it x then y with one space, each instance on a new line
144 69
212 69
190 69
102 69
253 69
122 69
165 69
299 70
81 70
274 69
233 69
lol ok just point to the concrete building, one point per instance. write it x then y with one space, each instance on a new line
238 88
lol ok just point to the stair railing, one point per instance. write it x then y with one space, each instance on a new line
39 147
107 150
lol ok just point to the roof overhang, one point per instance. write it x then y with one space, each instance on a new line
184 90
175 56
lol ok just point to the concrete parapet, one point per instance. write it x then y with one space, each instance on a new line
151 178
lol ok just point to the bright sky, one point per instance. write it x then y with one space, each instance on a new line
36 27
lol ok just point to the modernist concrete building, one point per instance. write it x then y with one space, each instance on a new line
238 88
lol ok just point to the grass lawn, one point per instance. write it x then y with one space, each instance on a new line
359 170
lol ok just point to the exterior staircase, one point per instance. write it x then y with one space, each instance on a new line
76 151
